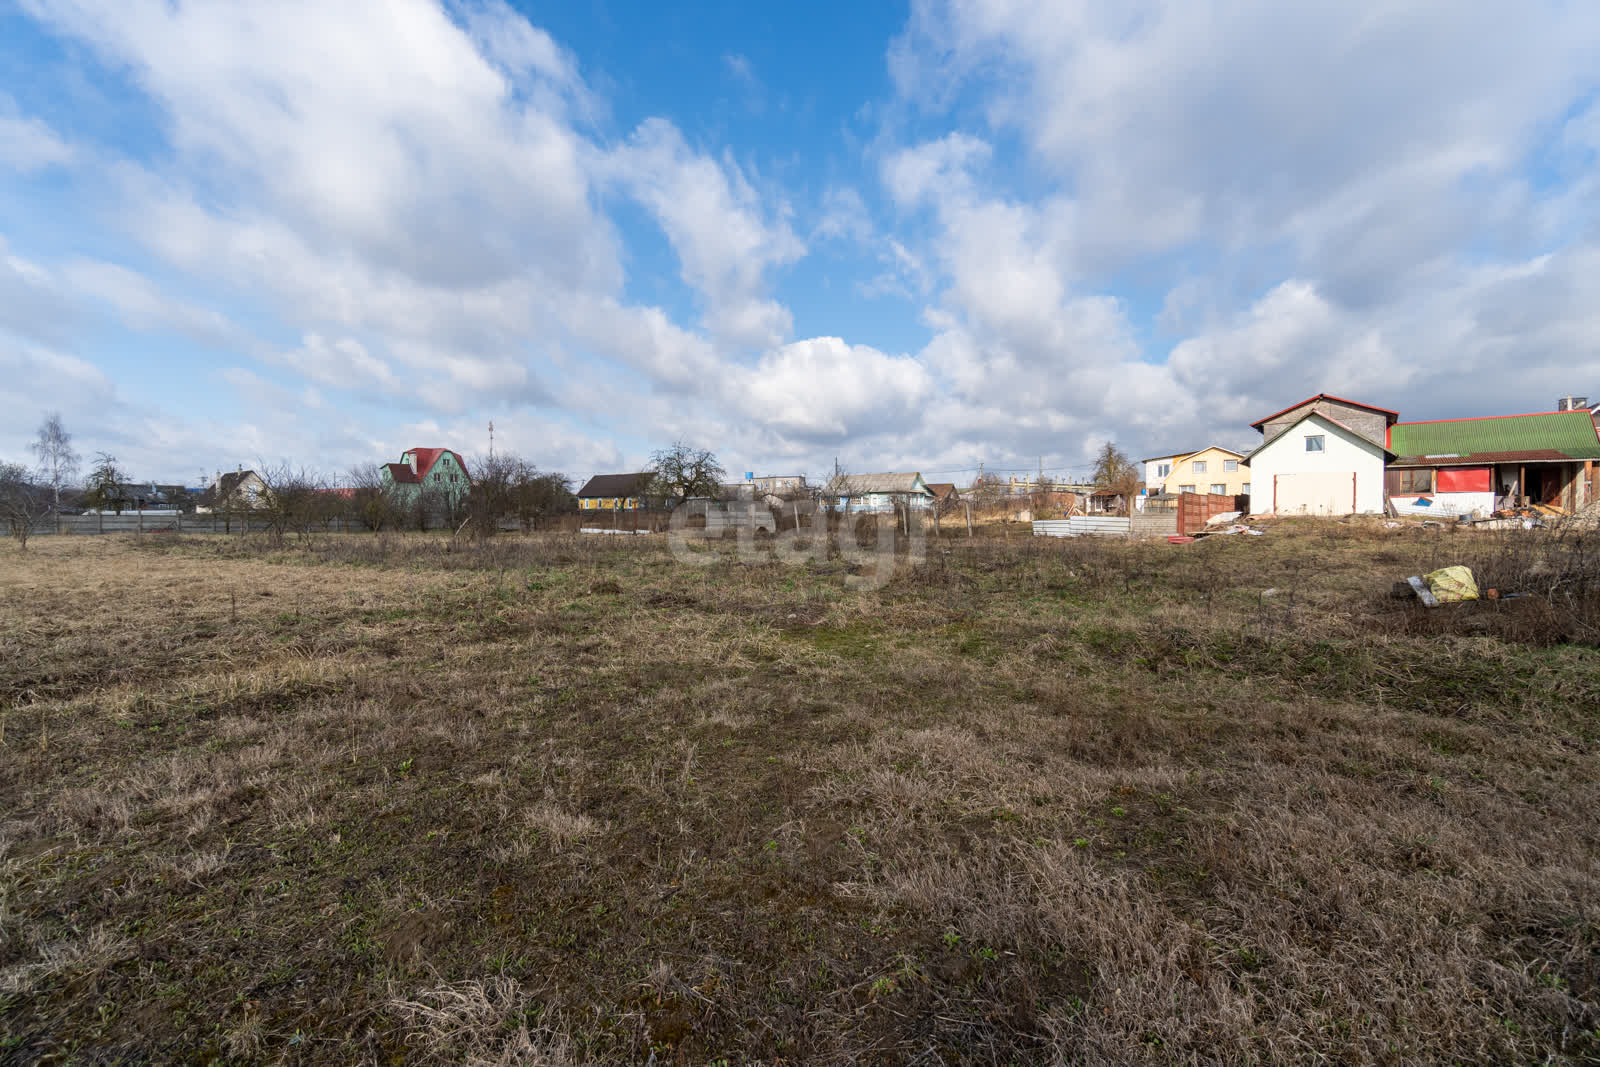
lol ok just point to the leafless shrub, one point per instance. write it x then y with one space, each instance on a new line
23 504
296 501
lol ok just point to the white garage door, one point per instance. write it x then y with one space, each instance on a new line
1315 493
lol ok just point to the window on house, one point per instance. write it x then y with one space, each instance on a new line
1185 488
1315 443
1229 466
1163 469
1199 466
1246 488
1219 488
1416 481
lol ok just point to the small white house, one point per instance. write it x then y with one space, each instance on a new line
1158 468
1315 464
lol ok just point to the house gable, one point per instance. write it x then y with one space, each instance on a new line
1203 471
1315 448
432 470
1370 422
1324 423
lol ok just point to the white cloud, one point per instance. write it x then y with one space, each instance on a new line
844 216
27 144
343 363
936 168
725 241
143 305
824 388
1327 197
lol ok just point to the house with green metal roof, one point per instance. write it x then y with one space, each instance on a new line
1464 466
1331 456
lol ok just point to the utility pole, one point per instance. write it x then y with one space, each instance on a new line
491 438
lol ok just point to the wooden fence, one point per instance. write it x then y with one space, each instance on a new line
1195 508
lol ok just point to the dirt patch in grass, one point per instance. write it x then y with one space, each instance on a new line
555 799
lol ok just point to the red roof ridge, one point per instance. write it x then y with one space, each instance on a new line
1480 418
1326 396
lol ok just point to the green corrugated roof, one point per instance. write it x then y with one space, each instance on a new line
1571 433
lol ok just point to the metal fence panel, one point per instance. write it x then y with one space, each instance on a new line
1081 525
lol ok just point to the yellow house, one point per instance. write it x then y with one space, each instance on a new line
1210 470
614 492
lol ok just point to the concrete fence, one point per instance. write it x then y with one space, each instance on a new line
1155 522
143 522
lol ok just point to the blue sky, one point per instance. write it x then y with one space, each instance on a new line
909 237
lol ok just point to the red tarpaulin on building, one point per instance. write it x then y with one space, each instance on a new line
1464 480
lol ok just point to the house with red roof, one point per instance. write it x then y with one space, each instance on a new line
434 479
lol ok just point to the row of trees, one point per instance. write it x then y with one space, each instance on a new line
504 487
1115 475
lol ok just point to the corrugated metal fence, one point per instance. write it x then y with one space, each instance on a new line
1080 525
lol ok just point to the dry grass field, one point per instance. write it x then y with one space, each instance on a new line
560 799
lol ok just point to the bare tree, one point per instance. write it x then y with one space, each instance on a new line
508 486
542 495
494 492
294 500
682 472
988 490
58 463
23 504
1115 473
370 502
105 484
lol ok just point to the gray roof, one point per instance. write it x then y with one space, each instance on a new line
863 484
609 485
224 487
